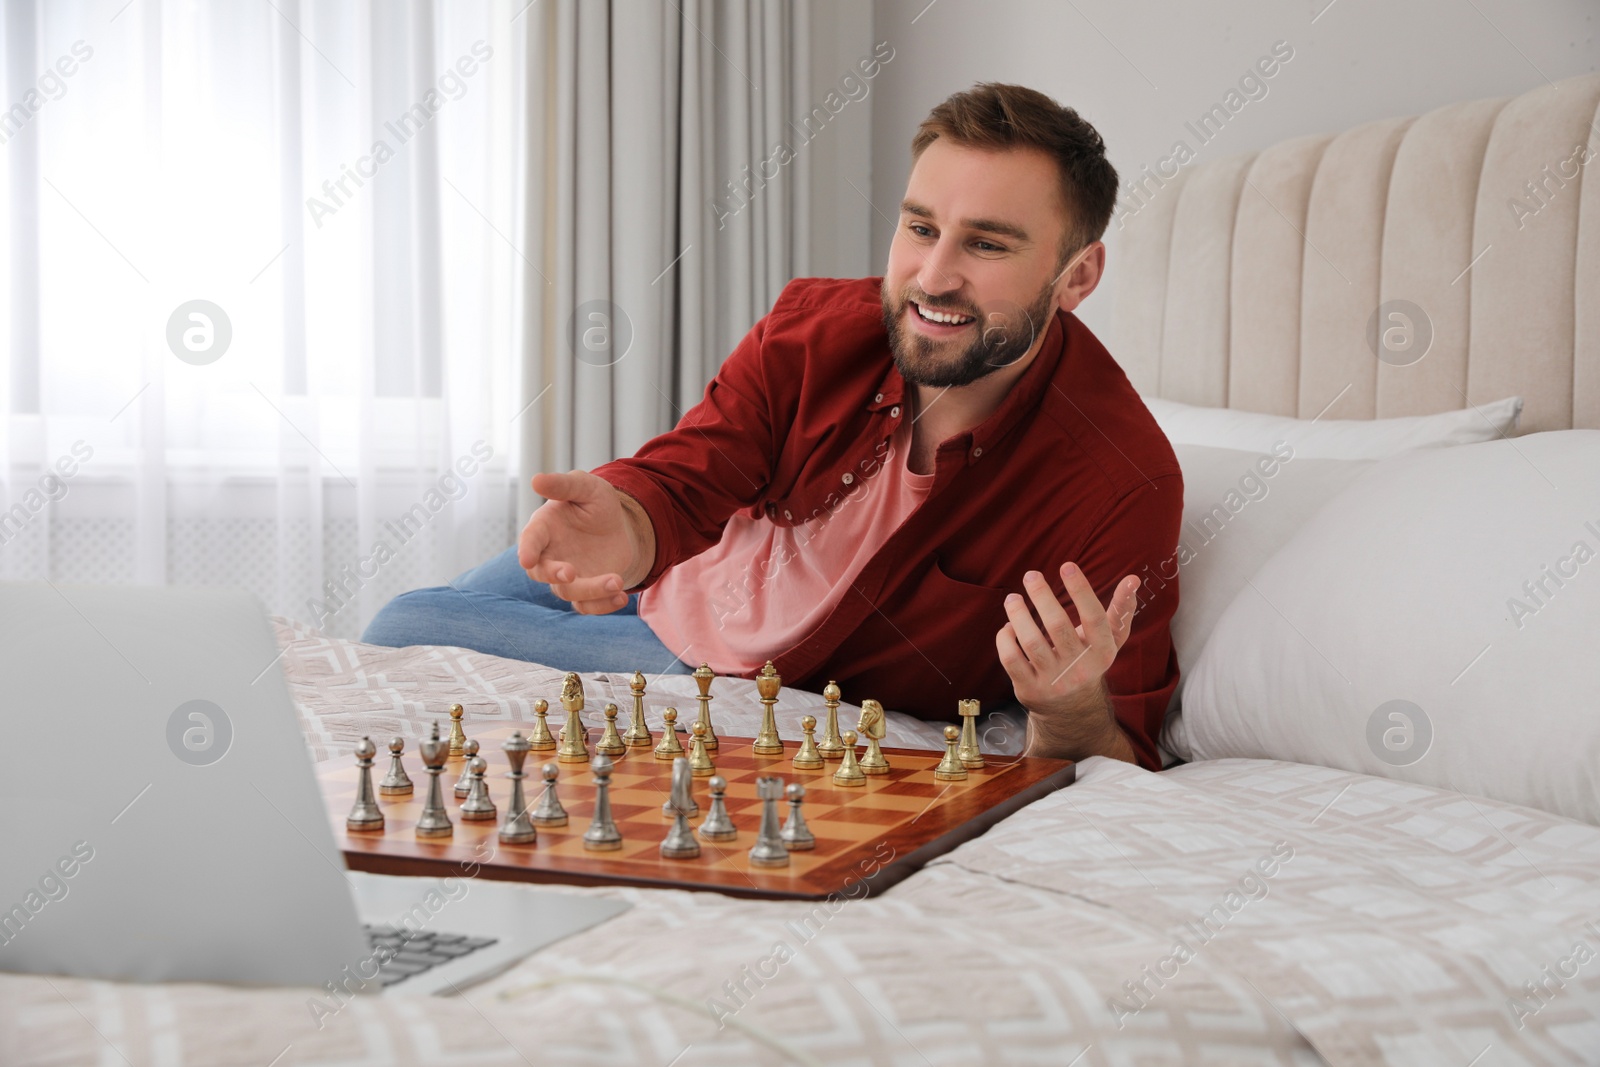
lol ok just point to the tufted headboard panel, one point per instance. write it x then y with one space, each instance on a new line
1255 282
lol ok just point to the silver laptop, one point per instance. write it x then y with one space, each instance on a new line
162 821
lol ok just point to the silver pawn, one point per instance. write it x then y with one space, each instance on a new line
718 826
434 820
550 812
680 843
797 836
516 828
479 806
602 834
365 814
769 850
469 748
397 783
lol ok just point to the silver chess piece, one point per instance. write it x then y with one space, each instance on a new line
718 826
434 820
469 748
516 828
680 843
769 850
550 812
397 783
602 834
365 813
796 835
478 807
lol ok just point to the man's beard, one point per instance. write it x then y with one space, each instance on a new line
1001 337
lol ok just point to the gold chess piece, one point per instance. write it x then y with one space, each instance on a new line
670 748
458 736
971 758
808 758
610 742
540 739
637 735
703 675
700 765
831 746
873 724
849 772
573 747
768 743
951 769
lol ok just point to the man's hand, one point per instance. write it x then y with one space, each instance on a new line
586 541
1058 673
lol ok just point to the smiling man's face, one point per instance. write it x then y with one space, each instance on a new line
971 281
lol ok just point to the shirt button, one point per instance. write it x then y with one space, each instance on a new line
848 478
977 452
878 399
788 514
894 412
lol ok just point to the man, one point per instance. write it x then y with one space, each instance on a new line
887 476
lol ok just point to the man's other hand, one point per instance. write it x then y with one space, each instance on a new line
579 541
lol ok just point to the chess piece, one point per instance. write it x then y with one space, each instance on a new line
637 735
718 826
458 736
540 739
808 758
602 834
700 765
873 725
434 820
478 807
767 742
517 828
769 850
971 758
951 769
573 748
703 675
397 783
610 743
365 813
549 812
670 748
849 772
680 843
831 746
464 783
796 835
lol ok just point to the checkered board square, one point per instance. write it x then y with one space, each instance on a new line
872 835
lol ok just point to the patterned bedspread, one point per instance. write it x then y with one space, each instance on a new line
1229 912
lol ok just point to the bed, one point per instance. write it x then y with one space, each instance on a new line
1378 842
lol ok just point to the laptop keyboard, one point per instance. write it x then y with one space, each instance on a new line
417 952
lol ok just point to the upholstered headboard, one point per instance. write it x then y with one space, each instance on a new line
1253 282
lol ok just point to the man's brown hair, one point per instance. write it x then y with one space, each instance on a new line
995 115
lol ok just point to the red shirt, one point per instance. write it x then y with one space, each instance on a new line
1071 466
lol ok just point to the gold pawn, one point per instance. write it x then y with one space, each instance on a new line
573 747
832 745
703 676
610 742
637 735
849 772
539 738
808 758
971 758
951 769
768 743
700 764
873 725
458 736
669 749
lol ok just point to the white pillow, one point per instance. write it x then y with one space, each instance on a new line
1436 622
1333 438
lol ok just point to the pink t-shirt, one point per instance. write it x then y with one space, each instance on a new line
763 588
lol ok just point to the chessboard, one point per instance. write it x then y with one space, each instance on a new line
868 837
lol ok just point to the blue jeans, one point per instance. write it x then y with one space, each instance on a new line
496 608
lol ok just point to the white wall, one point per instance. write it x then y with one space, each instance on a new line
1140 70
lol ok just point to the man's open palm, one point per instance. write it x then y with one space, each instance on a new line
577 541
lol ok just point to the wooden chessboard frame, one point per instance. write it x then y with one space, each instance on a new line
920 818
